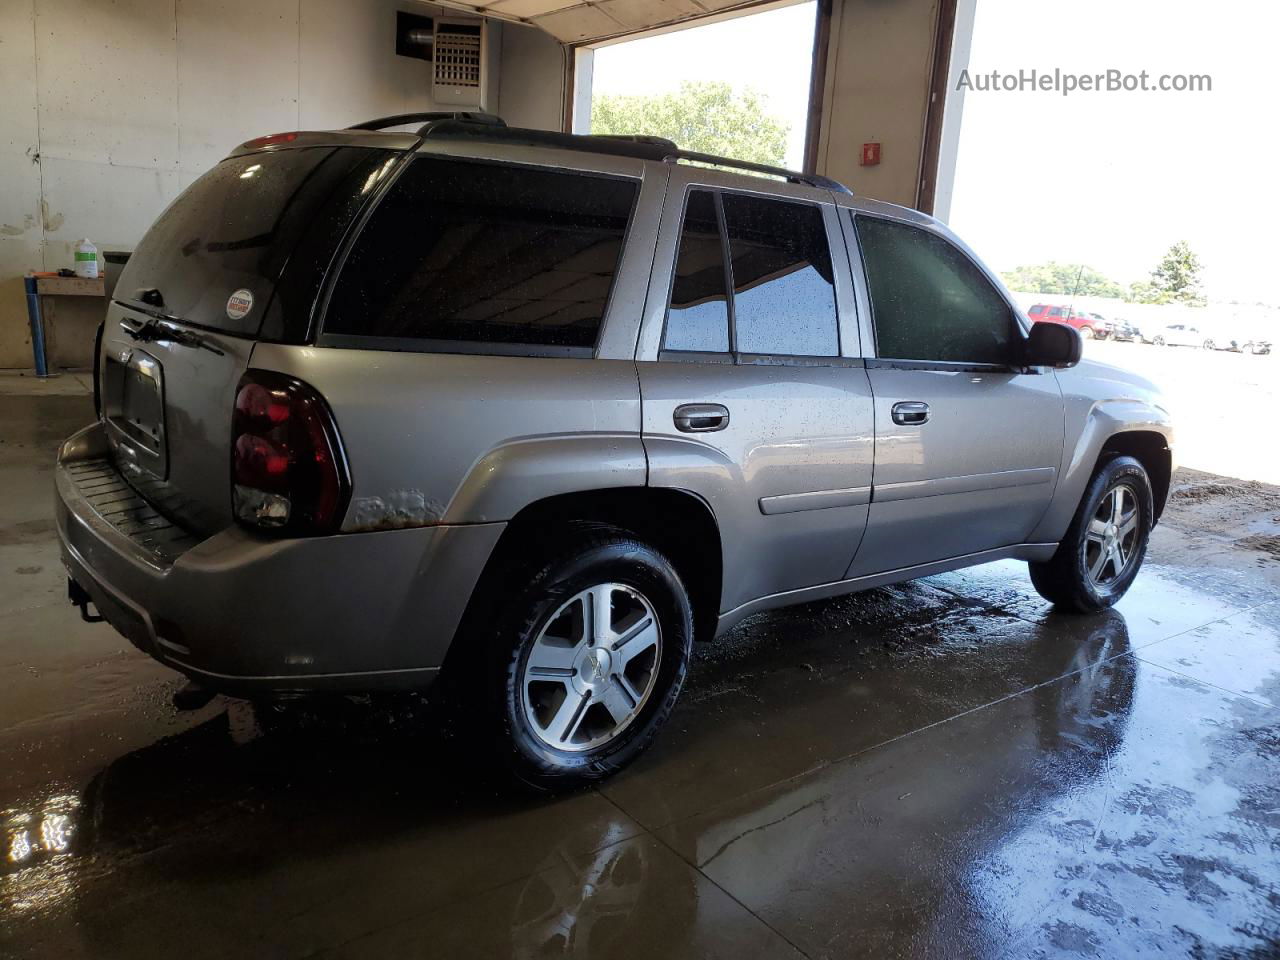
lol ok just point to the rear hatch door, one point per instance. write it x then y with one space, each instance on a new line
239 256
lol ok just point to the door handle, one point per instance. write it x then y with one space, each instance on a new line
911 413
701 417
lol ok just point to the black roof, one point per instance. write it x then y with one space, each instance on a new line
463 125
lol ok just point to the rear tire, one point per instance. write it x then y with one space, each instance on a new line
1209 345
1086 333
1103 549
572 698
1158 341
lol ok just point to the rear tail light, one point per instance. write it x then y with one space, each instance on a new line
287 467
271 140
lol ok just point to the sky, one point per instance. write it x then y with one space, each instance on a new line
732 51
1107 179
1112 179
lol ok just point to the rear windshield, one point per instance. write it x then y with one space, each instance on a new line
478 257
215 255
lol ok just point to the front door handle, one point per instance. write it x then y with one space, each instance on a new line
701 417
911 413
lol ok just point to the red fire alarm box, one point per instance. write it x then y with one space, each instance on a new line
870 154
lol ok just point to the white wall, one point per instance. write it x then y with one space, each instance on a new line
111 107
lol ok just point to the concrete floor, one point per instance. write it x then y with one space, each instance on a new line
945 769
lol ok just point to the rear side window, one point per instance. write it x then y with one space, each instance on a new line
478 254
235 228
928 300
698 318
784 299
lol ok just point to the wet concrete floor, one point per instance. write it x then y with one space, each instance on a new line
942 769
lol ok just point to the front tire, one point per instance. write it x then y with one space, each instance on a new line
1209 345
1086 333
590 655
1103 549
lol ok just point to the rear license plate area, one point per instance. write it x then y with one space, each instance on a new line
133 401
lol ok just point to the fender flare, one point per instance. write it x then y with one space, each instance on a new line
511 476
1105 419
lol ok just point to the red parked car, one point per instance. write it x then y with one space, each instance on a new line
1088 324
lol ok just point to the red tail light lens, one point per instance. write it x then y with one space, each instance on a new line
287 467
270 140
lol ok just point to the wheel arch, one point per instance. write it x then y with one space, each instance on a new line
1151 449
1129 426
677 522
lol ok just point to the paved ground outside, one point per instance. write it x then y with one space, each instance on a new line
1227 405
945 768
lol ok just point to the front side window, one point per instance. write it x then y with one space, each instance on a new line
783 290
481 254
928 300
698 316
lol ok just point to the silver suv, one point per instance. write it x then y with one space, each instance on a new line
533 412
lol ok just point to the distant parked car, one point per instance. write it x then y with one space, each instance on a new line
1258 347
1103 328
1241 341
1086 323
1182 335
1124 330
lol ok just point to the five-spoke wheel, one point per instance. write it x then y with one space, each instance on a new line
592 646
592 667
1104 546
1109 538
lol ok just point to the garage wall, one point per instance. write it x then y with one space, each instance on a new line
111 108
877 89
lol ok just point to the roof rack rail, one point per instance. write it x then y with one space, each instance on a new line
469 126
638 138
399 119
793 176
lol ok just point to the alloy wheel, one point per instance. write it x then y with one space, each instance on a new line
592 667
1111 539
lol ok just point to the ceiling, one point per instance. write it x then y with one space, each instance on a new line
587 21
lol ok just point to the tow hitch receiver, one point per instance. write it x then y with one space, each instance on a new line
80 597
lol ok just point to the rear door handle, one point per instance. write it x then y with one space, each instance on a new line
910 413
701 417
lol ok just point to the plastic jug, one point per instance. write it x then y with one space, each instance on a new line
86 260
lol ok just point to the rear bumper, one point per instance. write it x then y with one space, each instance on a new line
245 613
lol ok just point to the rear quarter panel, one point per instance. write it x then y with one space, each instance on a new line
455 438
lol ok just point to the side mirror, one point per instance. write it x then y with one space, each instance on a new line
1052 345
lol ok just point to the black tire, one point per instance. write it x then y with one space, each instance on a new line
1158 341
591 555
1064 579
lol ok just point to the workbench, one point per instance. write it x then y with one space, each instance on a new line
64 313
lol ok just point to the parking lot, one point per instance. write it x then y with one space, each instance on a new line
1218 399
946 768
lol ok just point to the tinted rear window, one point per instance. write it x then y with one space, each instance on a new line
235 228
784 298
478 254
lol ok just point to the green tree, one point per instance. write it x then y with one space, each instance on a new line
1072 279
1176 279
706 117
